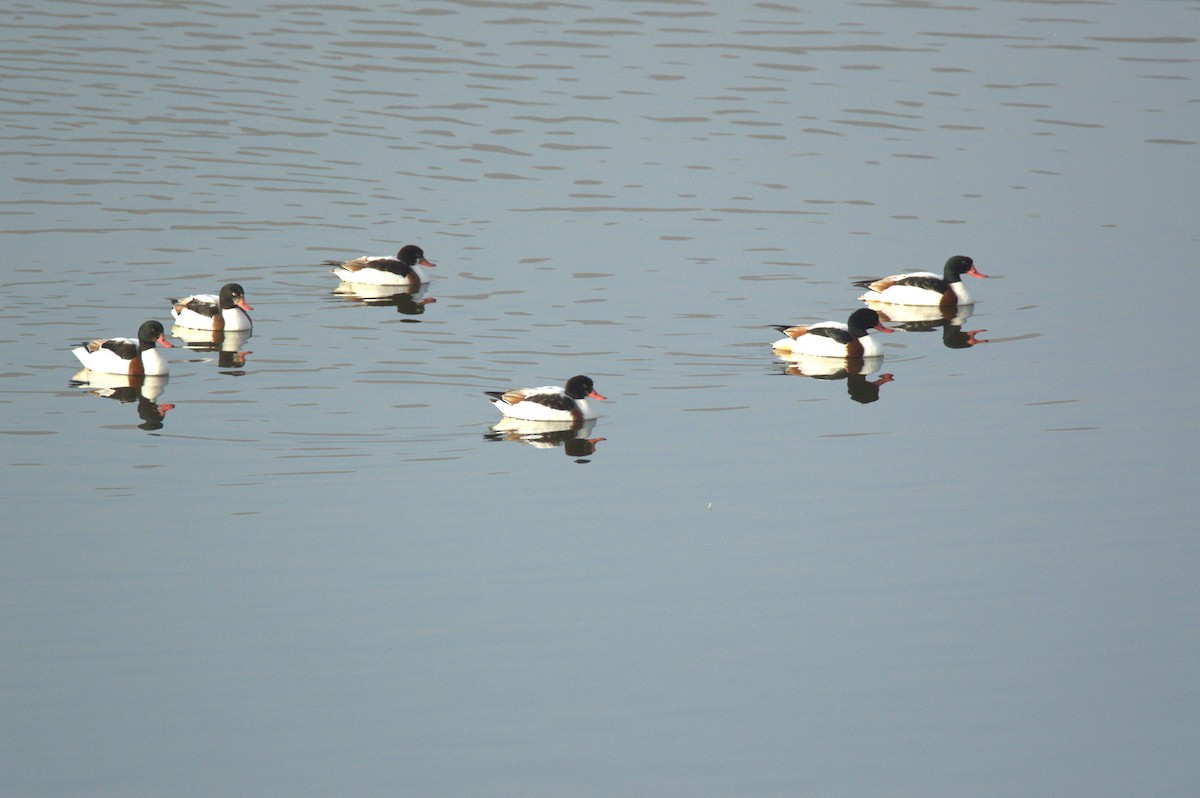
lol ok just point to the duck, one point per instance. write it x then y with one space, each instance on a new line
924 288
219 312
383 270
134 357
834 339
549 403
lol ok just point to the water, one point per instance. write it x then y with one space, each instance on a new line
322 572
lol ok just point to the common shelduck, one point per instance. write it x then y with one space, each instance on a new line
549 403
924 288
224 311
382 270
127 355
834 339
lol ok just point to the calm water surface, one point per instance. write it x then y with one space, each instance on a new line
321 571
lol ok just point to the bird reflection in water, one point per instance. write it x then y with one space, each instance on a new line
572 437
915 318
226 343
406 302
143 390
855 371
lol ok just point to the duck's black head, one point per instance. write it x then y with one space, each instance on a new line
581 387
959 265
411 254
232 295
150 333
865 319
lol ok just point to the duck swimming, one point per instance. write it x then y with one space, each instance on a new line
833 338
134 357
549 403
223 311
924 288
404 269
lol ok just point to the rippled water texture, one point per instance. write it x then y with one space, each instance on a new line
314 562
